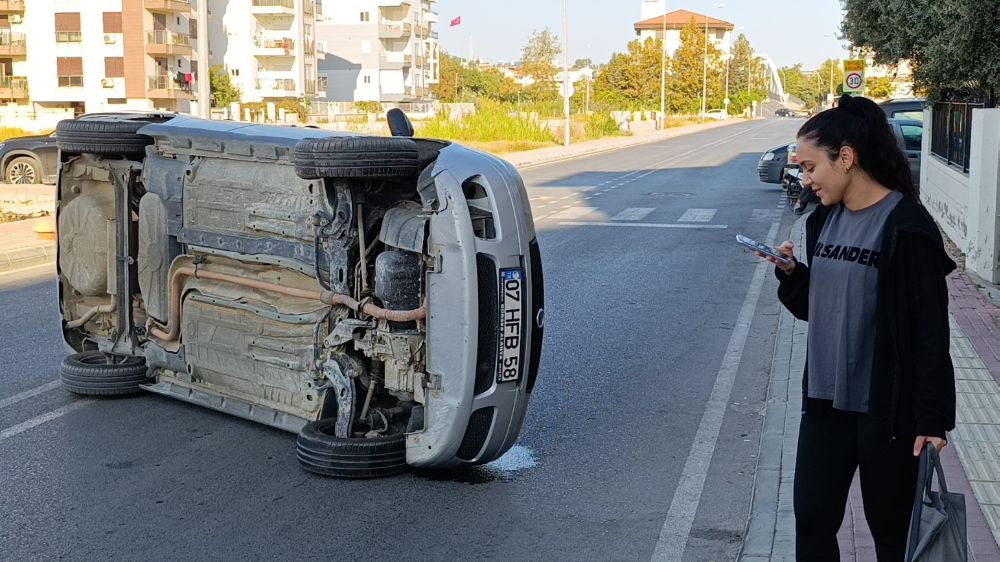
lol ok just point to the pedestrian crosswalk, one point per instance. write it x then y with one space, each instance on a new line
697 215
633 214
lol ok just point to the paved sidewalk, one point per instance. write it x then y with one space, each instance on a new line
972 463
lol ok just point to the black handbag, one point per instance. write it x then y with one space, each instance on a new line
937 524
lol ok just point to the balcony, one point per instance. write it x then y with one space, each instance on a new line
309 7
276 87
388 29
167 43
395 61
12 6
277 47
393 4
274 7
13 44
166 88
13 88
168 6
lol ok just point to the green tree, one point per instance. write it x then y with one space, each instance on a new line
582 63
490 83
449 85
879 88
831 69
952 46
223 90
631 80
800 84
684 86
537 62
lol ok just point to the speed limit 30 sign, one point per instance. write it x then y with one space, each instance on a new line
854 76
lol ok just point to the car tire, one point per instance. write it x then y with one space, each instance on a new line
320 451
103 137
388 158
91 374
23 170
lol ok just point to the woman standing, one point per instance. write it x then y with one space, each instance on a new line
879 381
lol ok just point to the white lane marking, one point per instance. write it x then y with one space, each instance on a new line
44 418
697 215
29 393
646 225
677 526
765 215
574 212
565 197
633 214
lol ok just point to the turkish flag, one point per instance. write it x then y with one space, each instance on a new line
456 21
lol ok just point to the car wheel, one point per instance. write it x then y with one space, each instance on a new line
357 158
93 373
96 136
23 170
320 451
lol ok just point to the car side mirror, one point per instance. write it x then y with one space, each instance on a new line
399 123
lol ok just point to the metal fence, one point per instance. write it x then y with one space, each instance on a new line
951 132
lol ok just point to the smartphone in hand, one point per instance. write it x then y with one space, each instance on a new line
762 248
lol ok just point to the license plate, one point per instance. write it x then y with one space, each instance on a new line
511 309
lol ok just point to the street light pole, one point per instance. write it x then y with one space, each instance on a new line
704 71
566 72
661 122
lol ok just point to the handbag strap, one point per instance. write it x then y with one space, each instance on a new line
933 460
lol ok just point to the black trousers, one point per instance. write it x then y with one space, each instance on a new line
832 445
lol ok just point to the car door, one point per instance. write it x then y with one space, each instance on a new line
910 136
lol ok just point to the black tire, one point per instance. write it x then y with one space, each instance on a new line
321 452
23 170
90 374
99 136
386 158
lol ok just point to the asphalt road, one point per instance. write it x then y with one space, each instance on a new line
641 440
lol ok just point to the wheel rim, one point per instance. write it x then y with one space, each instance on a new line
21 173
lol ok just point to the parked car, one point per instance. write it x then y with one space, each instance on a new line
909 135
770 167
382 297
33 159
29 159
718 114
904 109
787 112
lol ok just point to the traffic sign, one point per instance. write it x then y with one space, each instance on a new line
854 76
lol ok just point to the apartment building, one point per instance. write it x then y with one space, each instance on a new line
379 50
651 27
268 47
97 55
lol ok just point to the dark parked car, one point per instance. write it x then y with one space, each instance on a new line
772 163
31 159
909 133
783 112
904 109
34 159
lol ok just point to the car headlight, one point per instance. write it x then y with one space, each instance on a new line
767 157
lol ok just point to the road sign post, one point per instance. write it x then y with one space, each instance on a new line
854 76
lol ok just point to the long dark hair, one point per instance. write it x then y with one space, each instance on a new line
859 123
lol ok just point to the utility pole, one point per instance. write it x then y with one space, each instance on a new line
204 70
661 121
704 71
565 49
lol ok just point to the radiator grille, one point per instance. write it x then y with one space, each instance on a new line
537 304
489 302
476 433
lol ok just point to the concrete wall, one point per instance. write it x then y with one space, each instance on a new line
966 205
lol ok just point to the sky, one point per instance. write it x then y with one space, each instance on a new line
789 31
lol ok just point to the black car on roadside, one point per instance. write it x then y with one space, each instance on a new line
35 158
30 159
772 164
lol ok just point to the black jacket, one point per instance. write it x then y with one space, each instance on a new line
913 381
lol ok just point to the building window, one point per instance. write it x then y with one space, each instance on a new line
114 67
112 22
68 27
368 79
70 71
366 16
117 101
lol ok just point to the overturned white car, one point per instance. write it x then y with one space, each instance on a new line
381 297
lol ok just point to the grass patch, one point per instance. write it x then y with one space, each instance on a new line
491 123
11 132
505 147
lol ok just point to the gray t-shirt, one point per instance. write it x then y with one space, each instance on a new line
842 296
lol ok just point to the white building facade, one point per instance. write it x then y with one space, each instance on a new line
97 55
378 50
651 27
268 47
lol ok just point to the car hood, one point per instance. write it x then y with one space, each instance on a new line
30 138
